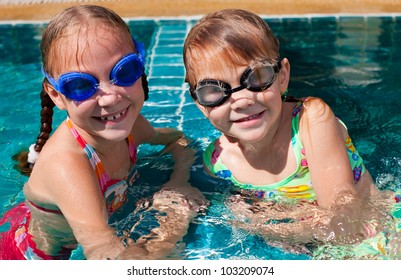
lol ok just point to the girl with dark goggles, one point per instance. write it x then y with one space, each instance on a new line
212 93
80 86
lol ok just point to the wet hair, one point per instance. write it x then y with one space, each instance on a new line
71 22
228 38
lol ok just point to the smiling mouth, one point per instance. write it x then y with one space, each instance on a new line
250 117
111 118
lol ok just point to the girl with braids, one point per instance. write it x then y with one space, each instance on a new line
78 176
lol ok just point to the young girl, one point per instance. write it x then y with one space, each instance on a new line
94 69
273 148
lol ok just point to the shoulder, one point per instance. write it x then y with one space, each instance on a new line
62 165
317 114
315 109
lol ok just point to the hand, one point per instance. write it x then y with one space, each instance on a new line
177 205
353 219
276 222
181 195
134 252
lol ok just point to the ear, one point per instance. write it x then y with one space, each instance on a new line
55 96
284 75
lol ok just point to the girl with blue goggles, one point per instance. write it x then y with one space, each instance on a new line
92 155
80 86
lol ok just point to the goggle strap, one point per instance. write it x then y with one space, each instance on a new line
140 48
52 81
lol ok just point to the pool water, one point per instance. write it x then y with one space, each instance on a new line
351 62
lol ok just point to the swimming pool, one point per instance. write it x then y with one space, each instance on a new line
352 62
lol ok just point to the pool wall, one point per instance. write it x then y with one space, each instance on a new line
45 9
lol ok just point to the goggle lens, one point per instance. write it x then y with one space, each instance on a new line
127 70
260 78
79 86
210 94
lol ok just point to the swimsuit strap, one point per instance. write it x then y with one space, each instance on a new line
295 139
297 109
92 156
132 148
54 211
103 177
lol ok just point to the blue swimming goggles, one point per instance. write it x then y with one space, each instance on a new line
259 77
80 86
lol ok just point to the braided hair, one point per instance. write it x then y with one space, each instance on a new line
46 119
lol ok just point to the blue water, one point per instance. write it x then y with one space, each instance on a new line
351 62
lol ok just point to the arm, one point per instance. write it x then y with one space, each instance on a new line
71 185
324 141
175 144
328 161
177 199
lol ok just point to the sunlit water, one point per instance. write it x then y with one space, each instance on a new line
351 62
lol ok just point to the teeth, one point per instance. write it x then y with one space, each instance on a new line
110 118
249 118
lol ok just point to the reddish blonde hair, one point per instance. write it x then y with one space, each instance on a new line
228 38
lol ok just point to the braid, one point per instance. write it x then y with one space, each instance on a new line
46 119
21 158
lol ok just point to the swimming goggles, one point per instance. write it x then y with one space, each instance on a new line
212 93
80 86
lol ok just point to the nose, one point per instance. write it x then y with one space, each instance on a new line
108 95
242 99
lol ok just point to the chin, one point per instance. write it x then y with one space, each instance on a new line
115 134
252 140
250 137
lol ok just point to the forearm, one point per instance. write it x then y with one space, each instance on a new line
173 227
184 158
178 146
99 244
178 202
173 214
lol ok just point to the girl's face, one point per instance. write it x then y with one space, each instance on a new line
247 116
111 112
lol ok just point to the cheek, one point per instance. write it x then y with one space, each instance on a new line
218 116
136 92
271 95
80 107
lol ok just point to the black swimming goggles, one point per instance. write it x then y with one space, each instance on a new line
212 93
79 86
